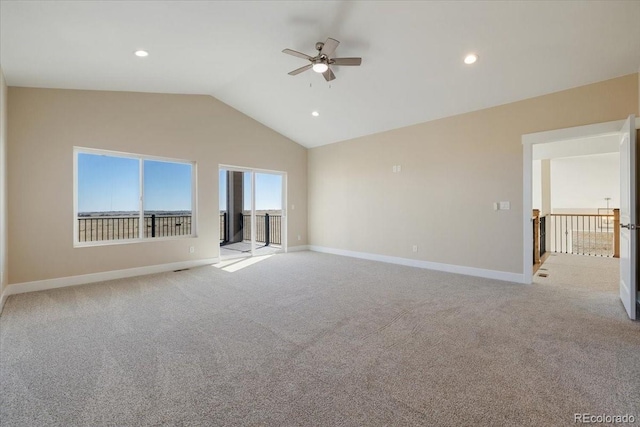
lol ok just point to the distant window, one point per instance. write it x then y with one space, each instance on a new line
126 197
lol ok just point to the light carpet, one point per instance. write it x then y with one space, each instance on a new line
309 339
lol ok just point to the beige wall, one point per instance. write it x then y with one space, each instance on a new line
453 169
4 277
47 123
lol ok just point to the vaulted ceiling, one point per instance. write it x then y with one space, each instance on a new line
412 52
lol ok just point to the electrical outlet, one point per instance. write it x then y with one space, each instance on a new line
505 206
399 168
191 249
415 248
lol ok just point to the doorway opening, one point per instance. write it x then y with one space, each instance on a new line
576 215
579 185
252 215
575 198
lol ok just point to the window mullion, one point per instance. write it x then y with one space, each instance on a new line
143 225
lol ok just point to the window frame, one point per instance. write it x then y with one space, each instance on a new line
141 159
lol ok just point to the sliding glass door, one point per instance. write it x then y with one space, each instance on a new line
252 212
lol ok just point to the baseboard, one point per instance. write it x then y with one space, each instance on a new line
449 268
41 285
3 298
298 248
61 282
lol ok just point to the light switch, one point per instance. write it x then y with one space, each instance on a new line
495 206
505 206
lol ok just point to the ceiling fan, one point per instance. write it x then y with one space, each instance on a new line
321 62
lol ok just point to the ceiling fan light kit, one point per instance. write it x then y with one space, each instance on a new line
320 67
322 61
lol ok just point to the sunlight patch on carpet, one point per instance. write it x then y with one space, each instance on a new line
233 265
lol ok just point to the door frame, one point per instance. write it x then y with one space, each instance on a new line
528 141
285 215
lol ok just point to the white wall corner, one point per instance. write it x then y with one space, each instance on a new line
448 268
3 299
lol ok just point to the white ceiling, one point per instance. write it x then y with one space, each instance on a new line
412 55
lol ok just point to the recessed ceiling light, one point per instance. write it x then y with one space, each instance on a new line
315 114
141 53
470 59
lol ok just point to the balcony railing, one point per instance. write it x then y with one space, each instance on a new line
583 234
223 227
95 229
163 226
268 228
101 228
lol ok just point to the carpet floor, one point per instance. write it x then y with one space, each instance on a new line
309 339
600 274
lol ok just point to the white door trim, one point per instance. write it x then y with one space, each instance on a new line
285 216
528 140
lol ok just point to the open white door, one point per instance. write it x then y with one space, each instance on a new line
628 226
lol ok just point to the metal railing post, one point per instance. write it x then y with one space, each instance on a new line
266 229
225 225
153 225
536 236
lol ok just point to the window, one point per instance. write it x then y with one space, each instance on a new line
122 198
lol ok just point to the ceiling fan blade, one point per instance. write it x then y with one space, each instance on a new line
301 69
346 61
329 47
328 75
296 53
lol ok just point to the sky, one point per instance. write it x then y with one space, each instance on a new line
109 183
268 191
